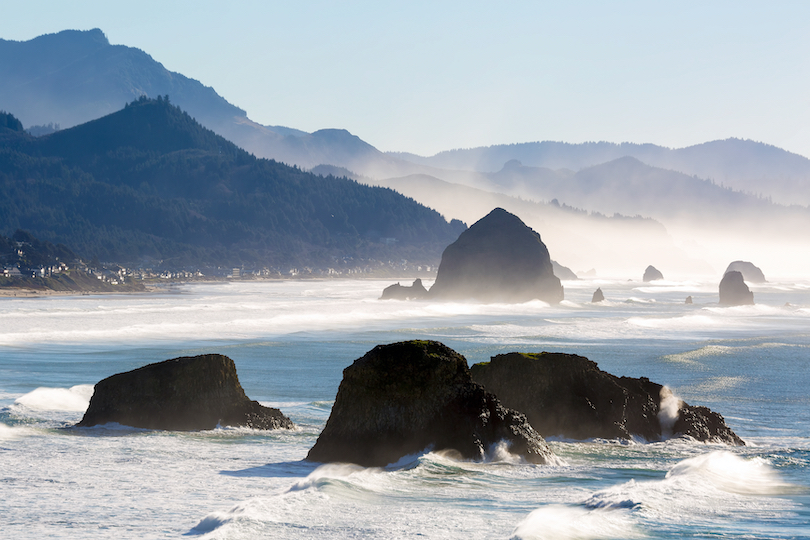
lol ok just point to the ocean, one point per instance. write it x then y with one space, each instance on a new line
291 340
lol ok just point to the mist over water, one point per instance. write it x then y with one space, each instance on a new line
291 341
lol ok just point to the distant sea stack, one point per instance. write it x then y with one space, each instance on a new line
563 272
184 394
652 274
598 296
404 398
498 259
749 271
403 292
568 395
734 291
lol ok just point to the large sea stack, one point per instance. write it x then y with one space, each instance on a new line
734 291
498 259
568 395
652 274
403 398
749 271
184 394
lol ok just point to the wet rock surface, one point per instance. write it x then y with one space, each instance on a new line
569 396
403 398
183 394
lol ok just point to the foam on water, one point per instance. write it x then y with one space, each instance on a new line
559 522
729 473
74 399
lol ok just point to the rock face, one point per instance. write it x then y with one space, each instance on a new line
750 272
734 291
402 398
569 396
183 394
652 274
598 296
498 259
563 272
401 292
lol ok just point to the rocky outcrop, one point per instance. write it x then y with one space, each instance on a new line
688 300
498 259
652 274
563 272
403 398
598 296
749 271
569 396
402 292
183 394
734 291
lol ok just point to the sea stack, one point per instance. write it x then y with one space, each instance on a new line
498 259
652 274
749 271
404 398
403 292
568 395
184 394
598 296
734 291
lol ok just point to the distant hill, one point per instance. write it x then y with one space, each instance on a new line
744 165
149 182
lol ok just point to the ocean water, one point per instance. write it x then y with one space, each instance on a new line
291 341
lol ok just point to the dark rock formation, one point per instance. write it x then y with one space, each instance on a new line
498 259
563 272
598 296
402 398
734 291
569 396
750 272
401 292
652 274
183 394
689 300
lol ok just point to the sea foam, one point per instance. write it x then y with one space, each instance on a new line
74 399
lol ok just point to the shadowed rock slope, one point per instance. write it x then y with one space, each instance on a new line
568 395
184 394
403 398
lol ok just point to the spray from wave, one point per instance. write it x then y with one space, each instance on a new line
668 411
74 399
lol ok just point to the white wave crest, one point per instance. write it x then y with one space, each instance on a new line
73 399
558 522
730 473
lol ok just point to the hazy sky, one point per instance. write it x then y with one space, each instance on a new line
429 76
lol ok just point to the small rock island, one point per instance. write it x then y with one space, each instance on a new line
568 395
734 291
184 394
404 398
652 274
750 272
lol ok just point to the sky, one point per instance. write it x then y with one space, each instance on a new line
424 77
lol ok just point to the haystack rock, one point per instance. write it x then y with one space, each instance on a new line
734 291
569 396
498 259
183 394
403 292
403 398
598 296
749 271
652 274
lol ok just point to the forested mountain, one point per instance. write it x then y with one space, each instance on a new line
150 182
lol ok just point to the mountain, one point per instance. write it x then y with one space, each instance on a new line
744 165
149 182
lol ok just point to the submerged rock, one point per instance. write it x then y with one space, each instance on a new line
568 395
750 272
183 394
652 274
498 259
402 292
734 291
598 296
402 398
